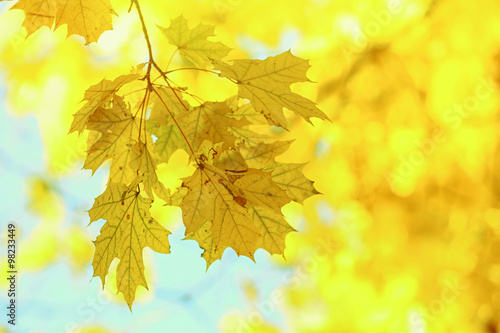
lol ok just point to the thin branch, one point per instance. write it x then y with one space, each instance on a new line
150 88
146 36
133 92
143 117
164 75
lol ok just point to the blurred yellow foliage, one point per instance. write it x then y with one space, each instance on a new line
95 329
405 235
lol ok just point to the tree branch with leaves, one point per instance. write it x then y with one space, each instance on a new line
235 195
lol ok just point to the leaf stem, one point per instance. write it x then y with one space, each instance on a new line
141 108
171 57
198 98
147 77
191 68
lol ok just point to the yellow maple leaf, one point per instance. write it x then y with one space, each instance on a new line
263 154
129 229
38 13
229 201
231 160
120 131
231 223
170 139
209 122
206 241
167 102
246 110
259 190
273 228
97 95
205 122
193 43
86 18
288 176
266 83
144 164
246 135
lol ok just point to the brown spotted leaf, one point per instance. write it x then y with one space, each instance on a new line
228 200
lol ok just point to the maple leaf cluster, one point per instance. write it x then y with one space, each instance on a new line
235 195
